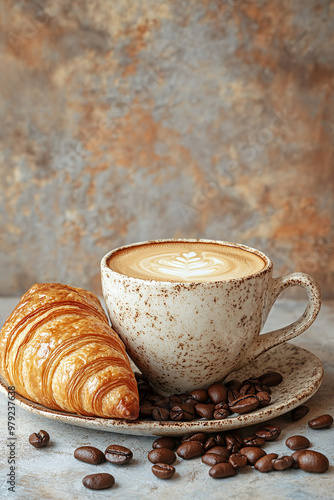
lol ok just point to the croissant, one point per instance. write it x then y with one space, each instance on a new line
58 349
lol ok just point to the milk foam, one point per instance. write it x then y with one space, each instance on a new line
186 262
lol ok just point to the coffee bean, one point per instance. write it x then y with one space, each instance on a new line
162 402
264 398
191 401
247 389
265 463
198 436
209 443
219 439
163 471
233 384
161 456
267 389
220 450
213 459
268 432
221 411
89 454
313 461
164 442
270 379
175 400
253 441
283 463
39 439
99 481
221 471
217 393
118 454
233 442
190 449
237 460
205 410
321 422
160 414
146 409
252 453
299 412
244 404
200 395
295 456
183 411
297 442
232 395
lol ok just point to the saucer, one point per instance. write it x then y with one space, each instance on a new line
302 374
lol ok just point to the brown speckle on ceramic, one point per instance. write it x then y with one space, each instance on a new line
302 375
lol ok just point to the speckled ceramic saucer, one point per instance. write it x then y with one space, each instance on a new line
302 375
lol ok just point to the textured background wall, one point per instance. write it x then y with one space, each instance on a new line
123 121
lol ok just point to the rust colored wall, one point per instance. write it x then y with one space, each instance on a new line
129 120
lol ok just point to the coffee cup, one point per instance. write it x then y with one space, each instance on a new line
191 311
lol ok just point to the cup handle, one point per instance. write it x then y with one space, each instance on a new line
266 341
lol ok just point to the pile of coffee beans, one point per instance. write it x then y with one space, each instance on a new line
225 453
217 402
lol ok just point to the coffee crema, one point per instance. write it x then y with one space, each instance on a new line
182 261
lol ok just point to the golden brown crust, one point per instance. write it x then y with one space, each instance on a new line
58 349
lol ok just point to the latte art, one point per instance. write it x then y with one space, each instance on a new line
185 262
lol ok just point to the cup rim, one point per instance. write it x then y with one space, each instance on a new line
268 262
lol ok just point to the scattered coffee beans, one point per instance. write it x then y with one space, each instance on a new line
312 461
283 463
299 412
268 432
164 442
190 449
214 403
39 439
222 470
98 481
265 463
163 471
118 454
162 456
297 442
321 422
89 454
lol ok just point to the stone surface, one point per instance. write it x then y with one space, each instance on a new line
126 121
53 473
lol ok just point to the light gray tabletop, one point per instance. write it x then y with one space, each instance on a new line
53 473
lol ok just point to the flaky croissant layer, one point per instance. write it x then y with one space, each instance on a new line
58 349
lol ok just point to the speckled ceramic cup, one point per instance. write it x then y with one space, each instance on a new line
184 336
